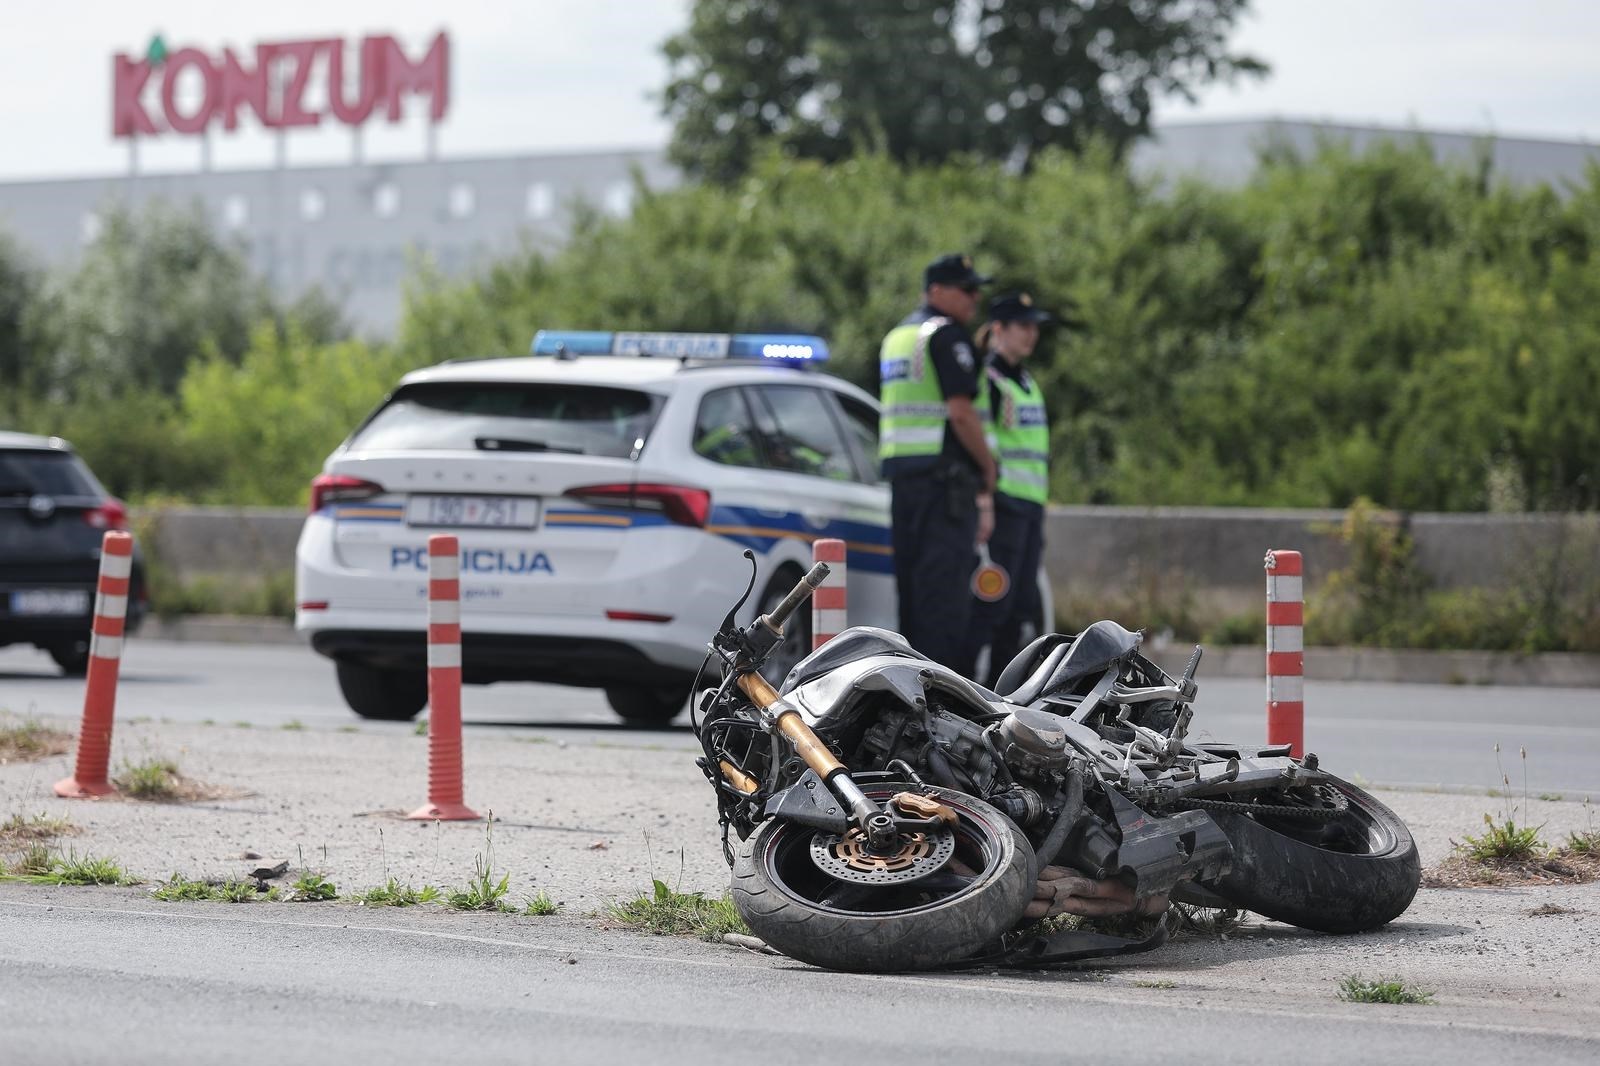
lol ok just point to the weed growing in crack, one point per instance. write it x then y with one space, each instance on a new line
483 892
1504 840
540 905
666 912
39 866
1354 988
31 739
152 779
313 888
37 827
179 889
393 894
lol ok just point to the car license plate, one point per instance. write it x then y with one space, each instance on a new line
492 512
50 601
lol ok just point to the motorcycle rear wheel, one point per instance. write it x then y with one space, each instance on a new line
798 909
1354 873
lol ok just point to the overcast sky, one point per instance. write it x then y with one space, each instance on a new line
555 75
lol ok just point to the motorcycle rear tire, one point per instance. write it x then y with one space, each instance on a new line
1282 871
919 937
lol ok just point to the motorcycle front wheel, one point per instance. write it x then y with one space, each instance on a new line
950 915
1351 873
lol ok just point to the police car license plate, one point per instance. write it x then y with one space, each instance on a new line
493 512
50 601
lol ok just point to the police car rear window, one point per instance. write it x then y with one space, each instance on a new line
512 417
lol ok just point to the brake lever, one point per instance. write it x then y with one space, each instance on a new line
728 625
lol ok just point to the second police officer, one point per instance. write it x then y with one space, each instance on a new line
940 472
1012 407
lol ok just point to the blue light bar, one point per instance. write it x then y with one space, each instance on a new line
778 347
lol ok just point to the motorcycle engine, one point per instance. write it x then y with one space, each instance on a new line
1034 742
1019 766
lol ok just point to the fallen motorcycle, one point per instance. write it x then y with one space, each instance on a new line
893 815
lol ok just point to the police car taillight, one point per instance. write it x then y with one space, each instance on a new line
340 488
678 503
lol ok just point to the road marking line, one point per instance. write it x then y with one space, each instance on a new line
1009 988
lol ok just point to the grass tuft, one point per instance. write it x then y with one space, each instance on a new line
30 739
179 889
1356 989
153 779
313 888
17 829
1206 921
668 913
40 866
393 894
483 892
540 905
293 725
1505 841
35 861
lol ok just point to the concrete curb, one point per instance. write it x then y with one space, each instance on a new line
1561 669
1556 669
220 629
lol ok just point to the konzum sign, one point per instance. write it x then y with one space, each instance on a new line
285 85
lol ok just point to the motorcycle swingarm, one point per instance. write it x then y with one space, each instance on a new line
1162 852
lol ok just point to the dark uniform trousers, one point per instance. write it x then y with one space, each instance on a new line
1016 544
934 516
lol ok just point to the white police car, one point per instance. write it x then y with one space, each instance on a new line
603 490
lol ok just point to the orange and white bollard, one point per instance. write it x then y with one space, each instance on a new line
445 799
830 601
1286 708
88 778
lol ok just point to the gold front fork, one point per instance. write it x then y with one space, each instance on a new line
791 725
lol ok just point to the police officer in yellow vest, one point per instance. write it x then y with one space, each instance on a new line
1011 406
941 475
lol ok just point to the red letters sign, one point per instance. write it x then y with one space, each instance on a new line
144 97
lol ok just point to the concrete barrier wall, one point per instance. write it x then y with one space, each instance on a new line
1215 554
1212 554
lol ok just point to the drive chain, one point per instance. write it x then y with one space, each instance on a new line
1337 805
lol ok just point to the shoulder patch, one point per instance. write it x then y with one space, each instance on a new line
963 353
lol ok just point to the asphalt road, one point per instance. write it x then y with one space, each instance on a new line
316 983
1388 734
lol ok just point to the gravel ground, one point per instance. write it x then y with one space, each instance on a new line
592 822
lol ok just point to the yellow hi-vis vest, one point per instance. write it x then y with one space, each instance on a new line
1018 436
912 420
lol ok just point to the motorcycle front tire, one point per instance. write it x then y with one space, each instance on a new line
776 890
1355 873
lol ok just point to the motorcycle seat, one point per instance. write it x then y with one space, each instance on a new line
1025 675
1056 660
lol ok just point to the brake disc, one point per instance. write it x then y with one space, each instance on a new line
846 857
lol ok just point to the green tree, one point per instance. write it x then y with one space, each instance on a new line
152 292
925 79
268 421
19 284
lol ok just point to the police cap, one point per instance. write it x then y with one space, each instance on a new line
953 269
1016 307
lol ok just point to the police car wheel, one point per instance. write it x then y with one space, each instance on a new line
647 706
382 695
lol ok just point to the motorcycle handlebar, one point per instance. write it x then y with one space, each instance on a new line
797 595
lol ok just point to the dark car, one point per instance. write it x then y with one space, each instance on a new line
53 516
